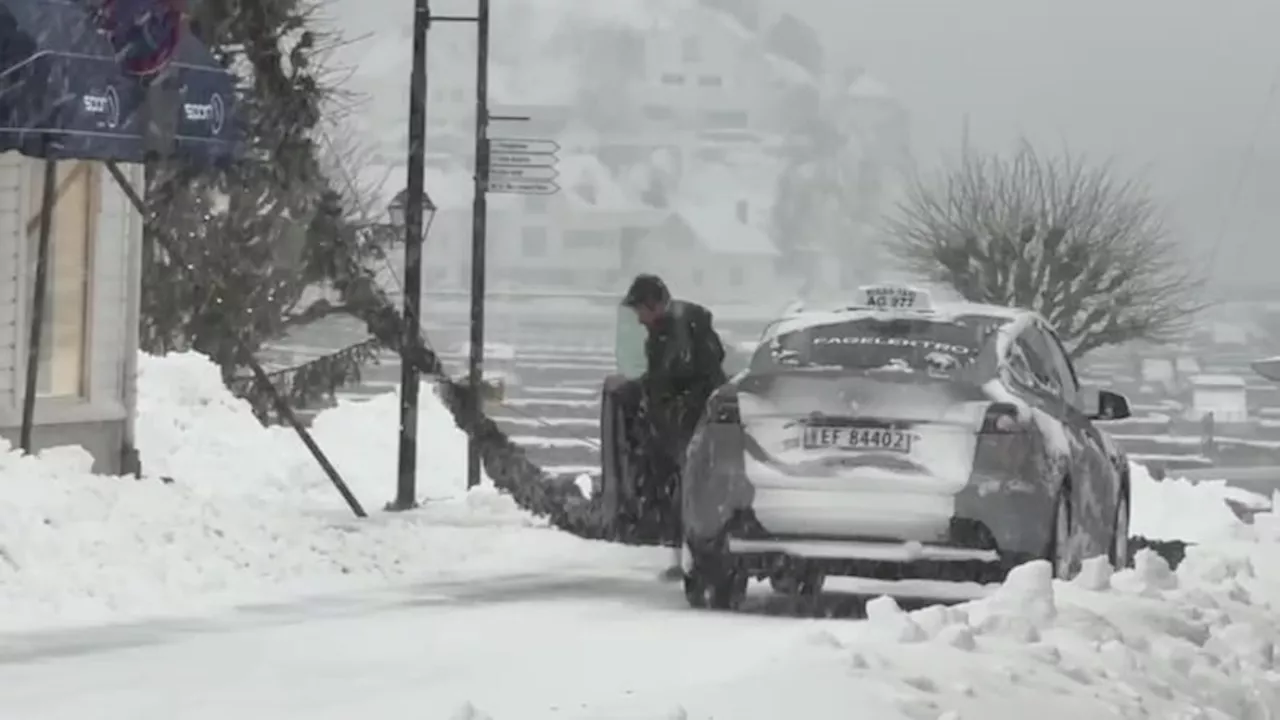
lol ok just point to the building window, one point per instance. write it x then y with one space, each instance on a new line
736 278
712 154
533 241
672 79
582 240
658 112
64 332
692 50
727 119
710 81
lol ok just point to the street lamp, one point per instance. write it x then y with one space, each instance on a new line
396 210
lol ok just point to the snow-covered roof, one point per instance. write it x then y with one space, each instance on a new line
749 176
581 171
867 87
789 70
1218 381
719 230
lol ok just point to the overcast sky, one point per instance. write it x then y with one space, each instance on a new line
1175 86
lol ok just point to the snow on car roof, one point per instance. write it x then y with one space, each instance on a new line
940 312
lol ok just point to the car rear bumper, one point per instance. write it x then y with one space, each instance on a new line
859 550
905 516
965 550
867 559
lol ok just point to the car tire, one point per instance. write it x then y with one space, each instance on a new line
713 583
806 584
1119 553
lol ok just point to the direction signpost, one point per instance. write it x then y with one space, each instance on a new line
522 167
523 173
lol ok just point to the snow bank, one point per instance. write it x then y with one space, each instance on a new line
1176 509
190 428
249 513
1144 643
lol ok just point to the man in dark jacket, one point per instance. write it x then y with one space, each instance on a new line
685 360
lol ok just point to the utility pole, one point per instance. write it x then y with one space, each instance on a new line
410 335
479 222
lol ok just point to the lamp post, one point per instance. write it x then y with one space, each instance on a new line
410 332
396 211
415 218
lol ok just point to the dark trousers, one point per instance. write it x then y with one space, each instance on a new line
674 420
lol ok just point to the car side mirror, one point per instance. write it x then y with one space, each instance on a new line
1110 406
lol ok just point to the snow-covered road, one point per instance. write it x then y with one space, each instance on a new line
241 590
619 645
520 647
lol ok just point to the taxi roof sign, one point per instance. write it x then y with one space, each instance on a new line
896 297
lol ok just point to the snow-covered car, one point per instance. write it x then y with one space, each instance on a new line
899 439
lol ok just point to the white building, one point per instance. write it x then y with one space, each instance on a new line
1223 395
711 254
704 69
575 238
89 347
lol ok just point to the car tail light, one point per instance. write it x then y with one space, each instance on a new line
1002 419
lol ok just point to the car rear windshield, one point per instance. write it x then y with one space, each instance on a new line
904 344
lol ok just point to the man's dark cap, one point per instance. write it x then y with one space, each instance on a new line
646 290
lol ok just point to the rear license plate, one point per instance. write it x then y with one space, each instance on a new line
855 438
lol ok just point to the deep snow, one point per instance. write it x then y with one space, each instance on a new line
249 517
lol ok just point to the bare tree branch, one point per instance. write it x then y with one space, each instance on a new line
1084 248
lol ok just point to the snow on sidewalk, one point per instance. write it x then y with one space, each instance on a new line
250 515
1144 643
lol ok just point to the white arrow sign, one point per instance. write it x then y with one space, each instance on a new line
520 160
523 147
523 173
523 187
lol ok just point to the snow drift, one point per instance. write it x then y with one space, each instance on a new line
249 513
1145 643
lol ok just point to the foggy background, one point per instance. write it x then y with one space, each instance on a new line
1176 88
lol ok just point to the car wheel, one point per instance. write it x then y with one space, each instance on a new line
1119 553
713 583
1058 552
785 584
803 583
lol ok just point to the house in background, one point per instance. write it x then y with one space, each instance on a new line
1223 396
712 254
574 238
89 346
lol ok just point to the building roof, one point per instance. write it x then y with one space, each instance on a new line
865 86
581 171
718 229
1218 381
